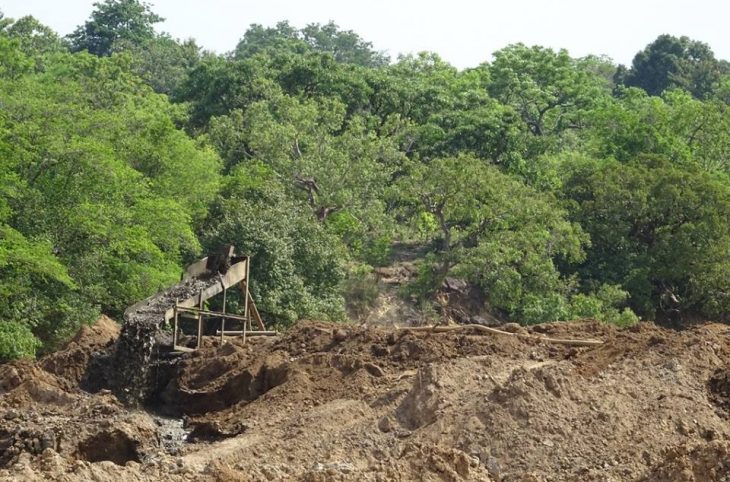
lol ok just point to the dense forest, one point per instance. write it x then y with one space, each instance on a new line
559 187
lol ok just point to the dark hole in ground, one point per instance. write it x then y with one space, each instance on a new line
115 446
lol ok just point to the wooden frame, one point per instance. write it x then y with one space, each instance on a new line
202 315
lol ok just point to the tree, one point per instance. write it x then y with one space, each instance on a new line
259 39
659 230
297 266
345 45
670 62
112 21
163 62
98 176
497 232
675 125
549 89
337 168
35 38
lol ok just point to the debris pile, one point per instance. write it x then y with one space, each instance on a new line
346 402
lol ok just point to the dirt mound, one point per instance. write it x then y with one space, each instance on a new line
72 362
46 416
345 402
701 463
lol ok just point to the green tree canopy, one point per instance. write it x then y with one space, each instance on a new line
344 46
659 230
497 232
670 62
114 20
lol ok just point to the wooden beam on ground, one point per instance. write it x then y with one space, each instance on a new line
494 331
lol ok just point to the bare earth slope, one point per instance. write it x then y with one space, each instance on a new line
341 402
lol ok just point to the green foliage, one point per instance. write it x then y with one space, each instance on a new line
13 62
34 38
113 21
297 266
344 46
603 305
658 230
670 62
675 125
495 231
548 182
16 341
549 90
100 192
163 62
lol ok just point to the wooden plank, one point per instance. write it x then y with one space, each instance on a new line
210 313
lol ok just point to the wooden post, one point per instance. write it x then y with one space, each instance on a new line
223 318
174 332
244 332
244 289
200 319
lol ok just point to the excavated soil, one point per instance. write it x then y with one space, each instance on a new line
326 402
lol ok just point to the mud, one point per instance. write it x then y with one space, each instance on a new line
133 367
344 402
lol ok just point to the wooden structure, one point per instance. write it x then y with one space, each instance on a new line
235 275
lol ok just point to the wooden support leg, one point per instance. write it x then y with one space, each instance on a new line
254 312
174 328
223 318
200 319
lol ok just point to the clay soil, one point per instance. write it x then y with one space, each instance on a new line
339 402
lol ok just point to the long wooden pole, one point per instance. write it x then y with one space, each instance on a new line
486 329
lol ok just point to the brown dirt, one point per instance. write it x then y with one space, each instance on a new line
328 402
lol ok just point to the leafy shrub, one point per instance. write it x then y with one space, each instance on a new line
17 341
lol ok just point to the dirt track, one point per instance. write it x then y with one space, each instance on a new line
341 402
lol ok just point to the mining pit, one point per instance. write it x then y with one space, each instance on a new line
326 401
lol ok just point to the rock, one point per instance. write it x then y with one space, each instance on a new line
385 424
673 365
478 320
339 335
374 370
462 465
454 284
492 465
11 414
512 328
